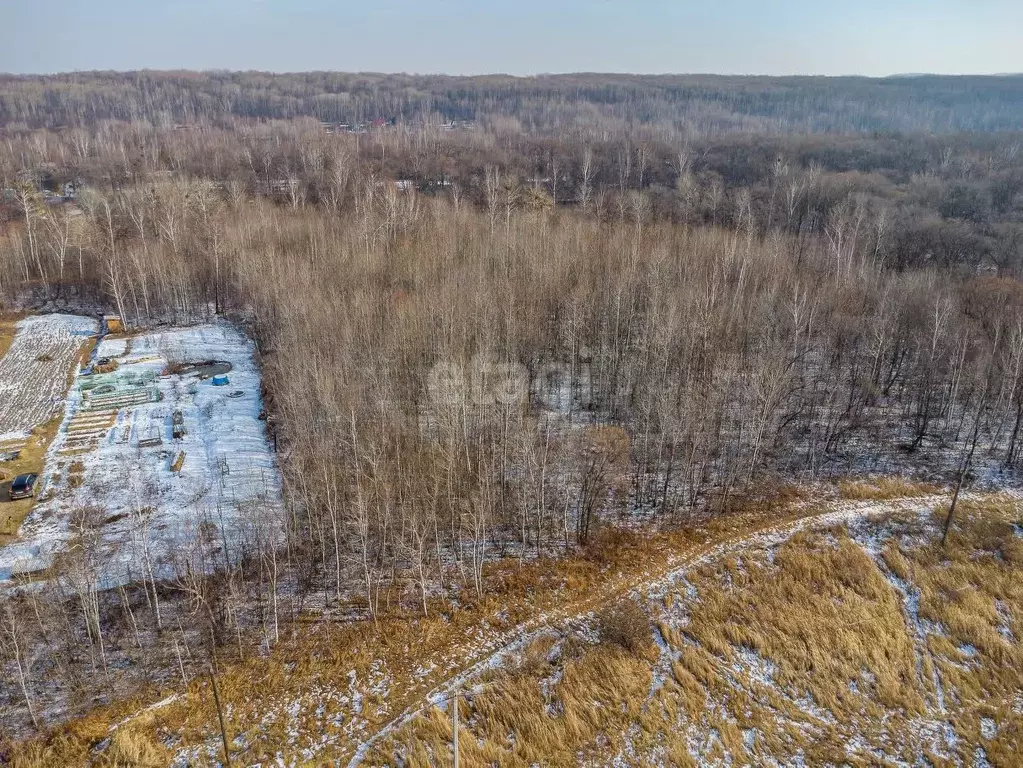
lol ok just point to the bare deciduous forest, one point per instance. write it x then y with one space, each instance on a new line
651 298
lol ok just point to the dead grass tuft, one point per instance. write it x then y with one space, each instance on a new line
132 749
881 488
179 462
626 625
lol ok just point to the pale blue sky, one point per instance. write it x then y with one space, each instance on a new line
869 37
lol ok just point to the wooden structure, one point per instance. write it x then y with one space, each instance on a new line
113 324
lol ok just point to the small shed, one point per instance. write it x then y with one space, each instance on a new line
221 380
113 324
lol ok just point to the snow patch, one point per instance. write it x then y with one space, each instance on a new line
34 371
153 518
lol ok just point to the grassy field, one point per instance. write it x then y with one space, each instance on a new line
737 657
867 644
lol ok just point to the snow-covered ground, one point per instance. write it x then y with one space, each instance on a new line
133 511
33 373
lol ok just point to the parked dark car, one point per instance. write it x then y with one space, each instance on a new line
23 486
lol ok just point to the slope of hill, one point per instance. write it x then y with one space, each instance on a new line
801 633
863 643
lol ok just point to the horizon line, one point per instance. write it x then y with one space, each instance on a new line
536 75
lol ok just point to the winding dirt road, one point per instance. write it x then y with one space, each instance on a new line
497 647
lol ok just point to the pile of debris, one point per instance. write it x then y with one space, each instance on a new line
207 369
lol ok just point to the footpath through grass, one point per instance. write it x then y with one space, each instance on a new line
862 643
330 692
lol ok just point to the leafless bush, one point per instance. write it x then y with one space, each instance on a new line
626 625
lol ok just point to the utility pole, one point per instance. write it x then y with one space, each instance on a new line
220 717
973 442
962 475
454 724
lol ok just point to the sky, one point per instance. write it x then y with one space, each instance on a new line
522 37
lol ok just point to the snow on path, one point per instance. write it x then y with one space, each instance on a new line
666 657
507 642
910 597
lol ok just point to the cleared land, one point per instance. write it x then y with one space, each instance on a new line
34 371
39 355
147 461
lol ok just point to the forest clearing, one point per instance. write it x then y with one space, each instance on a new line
133 490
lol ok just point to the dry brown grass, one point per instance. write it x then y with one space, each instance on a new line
600 691
819 615
971 590
881 488
130 748
834 655
822 613
772 495
178 463
8 329
625 624
126 748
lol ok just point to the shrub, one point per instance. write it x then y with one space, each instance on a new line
625 624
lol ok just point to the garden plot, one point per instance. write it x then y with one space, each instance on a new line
158 469
34 372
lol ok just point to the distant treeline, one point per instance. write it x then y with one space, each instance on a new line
950 201
590 104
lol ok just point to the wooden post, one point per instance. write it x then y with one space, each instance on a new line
220 717
454 724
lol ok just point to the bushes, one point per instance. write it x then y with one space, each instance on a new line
625 624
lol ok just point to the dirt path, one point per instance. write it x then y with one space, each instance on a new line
659 574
